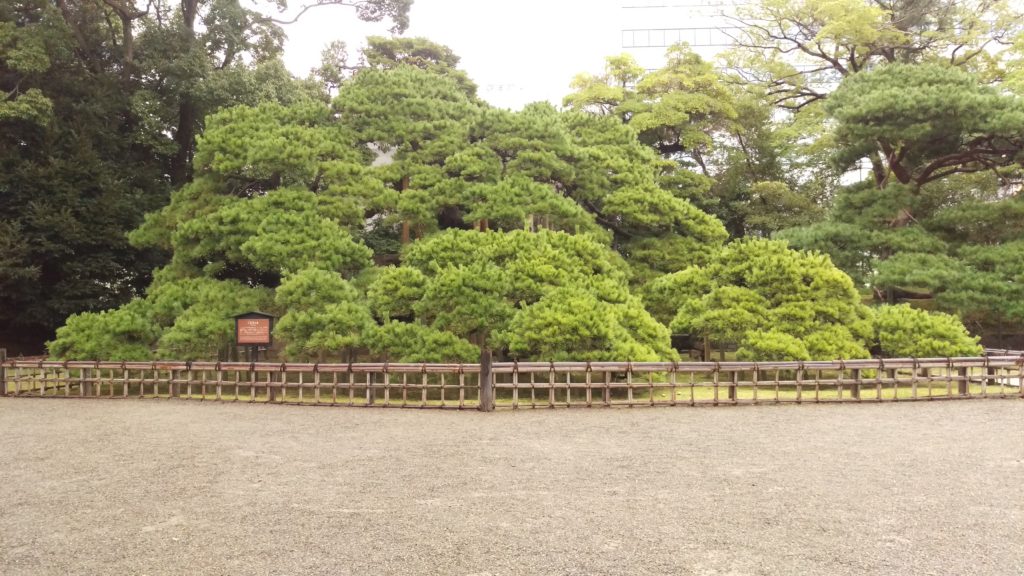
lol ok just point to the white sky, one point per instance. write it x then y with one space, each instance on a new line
517 51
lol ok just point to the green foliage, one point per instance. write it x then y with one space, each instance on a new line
325 316
759 289
683 105
322 332
313 288
395 291
102 106
791 49
676 109
533 262
287 194
406 108
522 231
664 296
725 314
928 106
126 333
281 231
385 53
186 319
620 180
519 290
573 324
906 332
466 301
769 345
920 114
774 206
205 328
407 342
753 174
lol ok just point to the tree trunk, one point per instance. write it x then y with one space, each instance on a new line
405 222
188 113
181 163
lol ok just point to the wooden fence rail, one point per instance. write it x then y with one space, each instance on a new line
514 385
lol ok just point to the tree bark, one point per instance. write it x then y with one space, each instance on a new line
188 113
405 221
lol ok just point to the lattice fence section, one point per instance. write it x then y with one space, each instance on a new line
570 384
516 385
386 385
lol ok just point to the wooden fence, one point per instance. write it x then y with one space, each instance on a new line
515 385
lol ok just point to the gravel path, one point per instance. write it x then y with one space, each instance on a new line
173 487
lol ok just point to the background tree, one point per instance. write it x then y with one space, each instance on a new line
103 101
798 51
923 100
949 144
74 177
719 140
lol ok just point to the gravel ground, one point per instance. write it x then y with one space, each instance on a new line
174 487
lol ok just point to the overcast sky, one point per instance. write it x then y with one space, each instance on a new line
517 52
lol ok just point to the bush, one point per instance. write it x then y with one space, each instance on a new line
903 331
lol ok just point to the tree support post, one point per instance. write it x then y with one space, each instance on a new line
486 381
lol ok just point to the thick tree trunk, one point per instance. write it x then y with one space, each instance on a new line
188 113
181 163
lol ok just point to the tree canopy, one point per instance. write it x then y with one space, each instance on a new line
162 171
501 222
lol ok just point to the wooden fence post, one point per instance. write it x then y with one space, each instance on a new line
85 374
962 383
3 372
1020 376
371 392
486 381
855 387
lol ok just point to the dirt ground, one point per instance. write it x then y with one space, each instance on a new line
174 487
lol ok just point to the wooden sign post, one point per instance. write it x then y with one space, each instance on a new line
254 329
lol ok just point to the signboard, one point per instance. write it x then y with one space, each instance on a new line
253 329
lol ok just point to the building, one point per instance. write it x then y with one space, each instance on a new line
648 27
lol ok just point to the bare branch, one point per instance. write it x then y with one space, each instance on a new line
307 7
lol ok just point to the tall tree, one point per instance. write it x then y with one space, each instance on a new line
289 196
676 109
949 146
75 175
799 51
721 140
102 104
